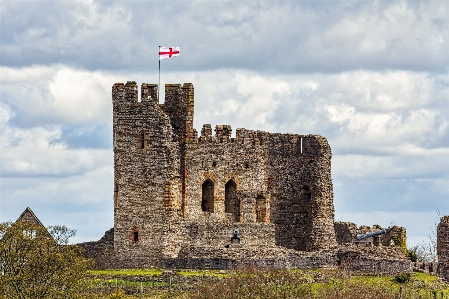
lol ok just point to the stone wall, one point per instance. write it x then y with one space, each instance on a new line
100 251
365 260
345 232
443 248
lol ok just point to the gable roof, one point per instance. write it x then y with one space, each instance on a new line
29 216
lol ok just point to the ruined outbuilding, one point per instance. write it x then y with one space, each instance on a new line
29 216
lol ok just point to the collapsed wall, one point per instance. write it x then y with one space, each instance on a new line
346 233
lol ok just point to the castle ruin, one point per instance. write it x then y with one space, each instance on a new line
213 201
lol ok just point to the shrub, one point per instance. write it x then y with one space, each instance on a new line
39 263
403 277
412 254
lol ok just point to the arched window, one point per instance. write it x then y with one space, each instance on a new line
261 209
134 235
207 201
232 203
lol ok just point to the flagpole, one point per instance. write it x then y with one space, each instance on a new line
159 84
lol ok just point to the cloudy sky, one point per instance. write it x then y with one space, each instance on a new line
371 76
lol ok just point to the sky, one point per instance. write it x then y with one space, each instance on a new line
370 76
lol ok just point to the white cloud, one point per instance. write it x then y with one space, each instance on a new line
276 36
38 151
420 164
57 94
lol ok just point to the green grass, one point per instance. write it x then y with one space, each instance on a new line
214 273
153 272
128 272
310 284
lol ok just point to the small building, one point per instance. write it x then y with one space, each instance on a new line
29 216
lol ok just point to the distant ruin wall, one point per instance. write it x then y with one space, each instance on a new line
100 251
443 248
345 232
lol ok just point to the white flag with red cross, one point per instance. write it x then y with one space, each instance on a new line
168 52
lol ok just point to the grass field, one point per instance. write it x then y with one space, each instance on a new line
316 284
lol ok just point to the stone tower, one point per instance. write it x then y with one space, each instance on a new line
177 192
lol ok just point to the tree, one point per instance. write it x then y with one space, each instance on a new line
40 263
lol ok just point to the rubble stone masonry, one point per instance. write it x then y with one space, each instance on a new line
178 197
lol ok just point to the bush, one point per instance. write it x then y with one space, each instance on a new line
39 263
117 295
412 254
403 277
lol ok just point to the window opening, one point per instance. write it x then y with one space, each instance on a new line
261 209
306 193
136 237
207 200
116 194
232 203
30 234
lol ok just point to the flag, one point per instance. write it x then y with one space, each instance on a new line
168 52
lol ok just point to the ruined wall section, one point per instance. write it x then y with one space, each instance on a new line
218 234
179 106
345 232
299 176
146 176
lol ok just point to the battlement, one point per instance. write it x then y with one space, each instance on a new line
129 92
308 145
178 104
179 107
